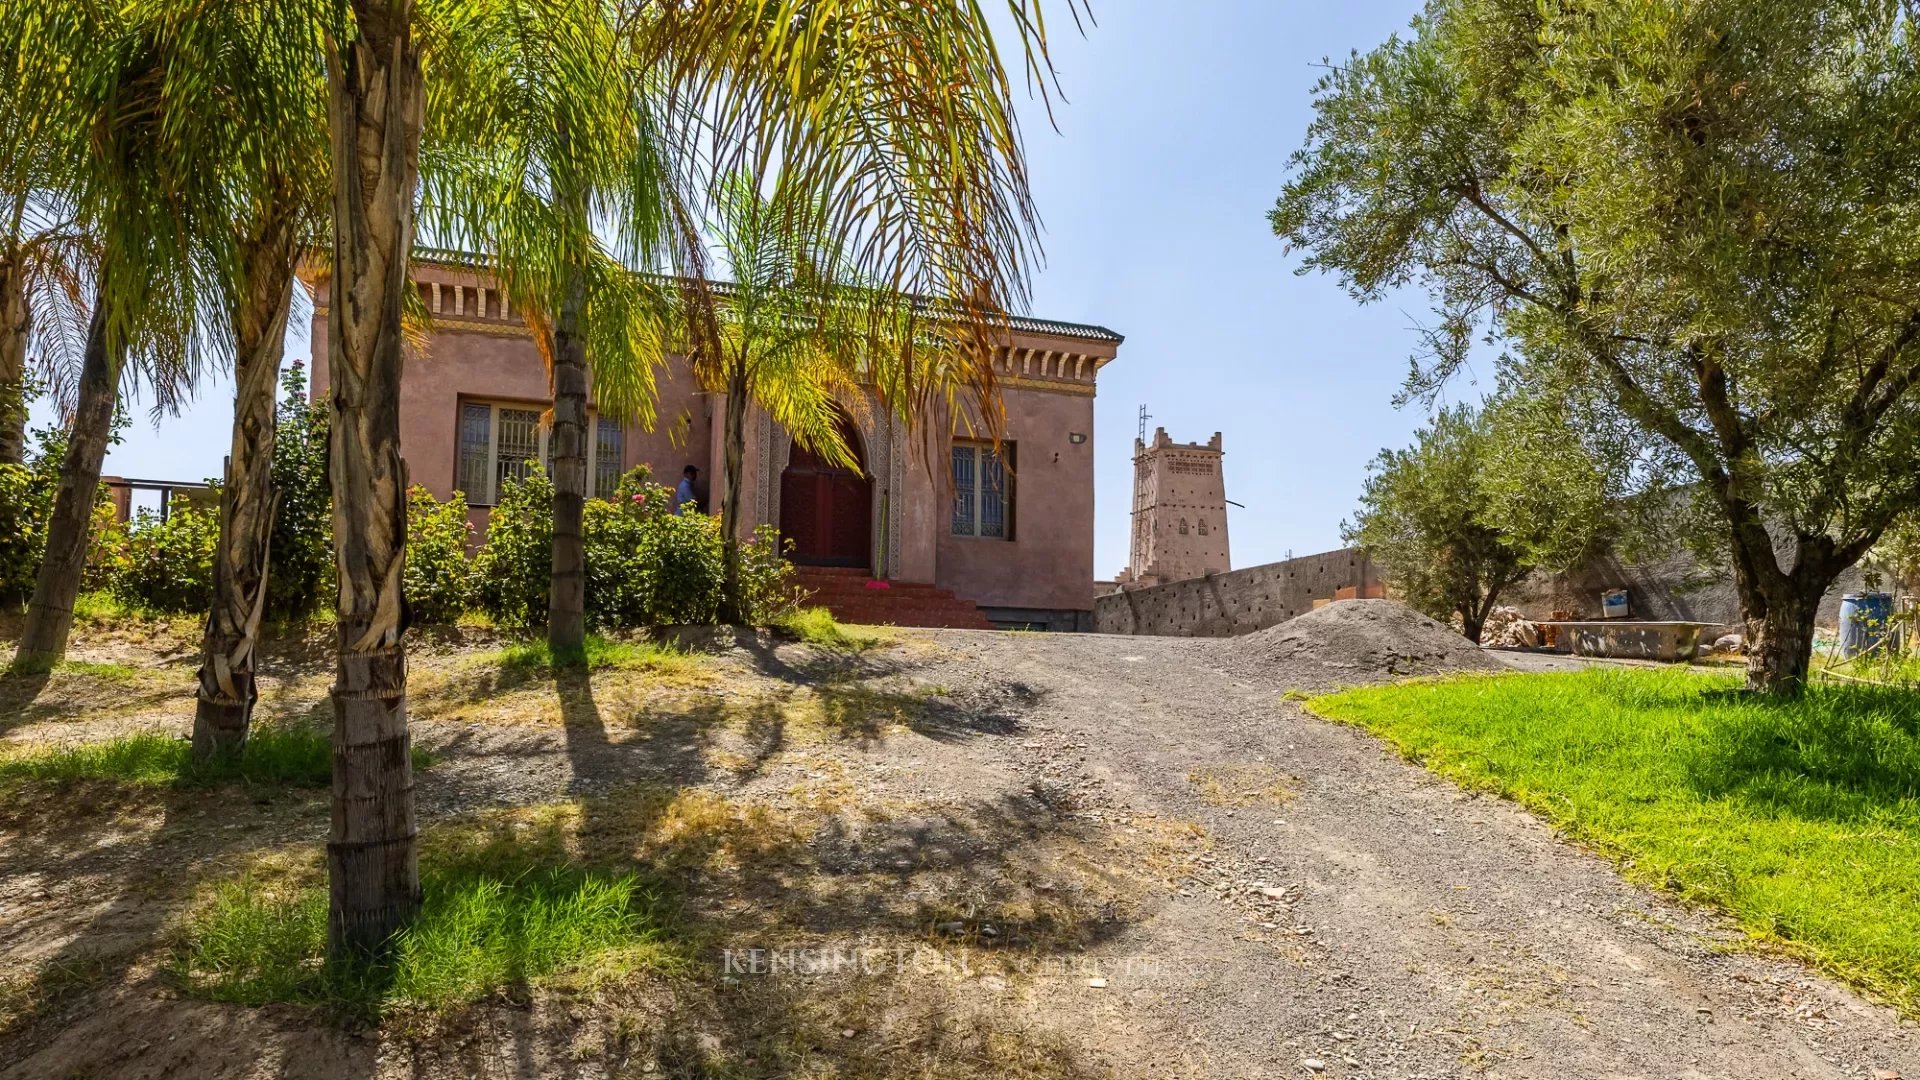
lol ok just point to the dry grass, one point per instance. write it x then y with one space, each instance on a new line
517 685
814 857
1243 785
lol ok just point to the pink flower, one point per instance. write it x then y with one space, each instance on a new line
640 497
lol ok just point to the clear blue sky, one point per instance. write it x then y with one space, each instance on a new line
1172 145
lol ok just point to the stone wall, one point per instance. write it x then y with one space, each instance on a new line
1240 602
1674 588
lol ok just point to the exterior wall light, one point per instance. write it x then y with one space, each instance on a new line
1076 437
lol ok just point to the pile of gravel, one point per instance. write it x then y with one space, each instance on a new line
1353 642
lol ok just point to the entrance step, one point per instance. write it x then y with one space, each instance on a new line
853 596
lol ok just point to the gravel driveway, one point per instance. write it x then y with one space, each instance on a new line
1309 904
1383 922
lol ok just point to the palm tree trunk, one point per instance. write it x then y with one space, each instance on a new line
247 502
43 638
732 605
375 111
567 593
16 323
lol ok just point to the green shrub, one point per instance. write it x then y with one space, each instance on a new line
512 571
26 502
438 573
25 499
300 568
766 578
165 564
677 567
614 532
646 566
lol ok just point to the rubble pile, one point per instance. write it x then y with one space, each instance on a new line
1506 628
1354 642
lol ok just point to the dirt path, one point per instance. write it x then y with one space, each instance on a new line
1127 860
1426 932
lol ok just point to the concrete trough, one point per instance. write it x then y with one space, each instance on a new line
1672 642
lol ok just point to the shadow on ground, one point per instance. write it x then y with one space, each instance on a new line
1000 879
1842 754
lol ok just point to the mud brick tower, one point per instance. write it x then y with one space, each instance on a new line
1179 511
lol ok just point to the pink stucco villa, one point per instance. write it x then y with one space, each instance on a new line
932 530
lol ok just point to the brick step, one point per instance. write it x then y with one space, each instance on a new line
839 607
883 612
861 592
932 621
845 592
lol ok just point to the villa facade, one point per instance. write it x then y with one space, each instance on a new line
1006 528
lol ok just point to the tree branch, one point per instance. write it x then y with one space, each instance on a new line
1470 191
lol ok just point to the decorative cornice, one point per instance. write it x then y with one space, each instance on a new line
1046 386
1024 324
439 323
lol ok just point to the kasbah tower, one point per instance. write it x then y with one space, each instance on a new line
1179 512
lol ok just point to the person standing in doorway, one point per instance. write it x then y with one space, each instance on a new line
685 498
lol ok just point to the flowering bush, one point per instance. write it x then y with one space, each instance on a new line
646 565
614 531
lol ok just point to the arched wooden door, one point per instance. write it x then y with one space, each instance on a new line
826 510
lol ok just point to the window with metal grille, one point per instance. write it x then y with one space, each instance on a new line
476 451
982 492
609 452
502 442
516 446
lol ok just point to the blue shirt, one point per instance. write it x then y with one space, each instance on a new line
683 495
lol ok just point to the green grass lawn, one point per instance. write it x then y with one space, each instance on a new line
1801 819
495 919
598 653
275 756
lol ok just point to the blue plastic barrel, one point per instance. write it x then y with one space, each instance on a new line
1865 619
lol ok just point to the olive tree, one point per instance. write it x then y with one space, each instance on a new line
1695 218
1475 505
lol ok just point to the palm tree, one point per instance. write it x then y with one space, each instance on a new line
785 339
375 105
46 263
142 191
900 177
899 110
542 124
46 274
269 119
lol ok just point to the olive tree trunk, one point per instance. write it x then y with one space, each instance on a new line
16 325
43 638
1780 623
567 592
224 709
732 604
375 110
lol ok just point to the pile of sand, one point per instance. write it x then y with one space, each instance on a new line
1354 642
